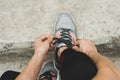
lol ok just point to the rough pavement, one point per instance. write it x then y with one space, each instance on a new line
21 21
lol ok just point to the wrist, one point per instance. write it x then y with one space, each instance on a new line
92 53
95 56
40 54
41 51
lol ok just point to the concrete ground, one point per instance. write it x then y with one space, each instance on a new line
21 21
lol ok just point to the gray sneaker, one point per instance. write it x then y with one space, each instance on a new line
65 31
49 72
65 34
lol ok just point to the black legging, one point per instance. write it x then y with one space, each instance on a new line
74 66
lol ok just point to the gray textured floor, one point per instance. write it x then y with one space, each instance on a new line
21 21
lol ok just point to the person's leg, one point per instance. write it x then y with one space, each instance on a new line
9 75
75 65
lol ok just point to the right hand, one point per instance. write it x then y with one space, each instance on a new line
42 44
85 46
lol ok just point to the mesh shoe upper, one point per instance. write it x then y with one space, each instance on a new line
65 30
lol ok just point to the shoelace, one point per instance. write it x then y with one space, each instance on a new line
65 38
66 34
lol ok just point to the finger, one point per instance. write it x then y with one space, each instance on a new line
45 37
77 43
40 38
52 43
50 39
76 48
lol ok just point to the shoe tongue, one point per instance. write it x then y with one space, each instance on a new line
63 42
66 43
61 45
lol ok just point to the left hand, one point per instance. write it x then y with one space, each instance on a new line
42 44
86 46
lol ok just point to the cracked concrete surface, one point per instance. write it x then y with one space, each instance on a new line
21 21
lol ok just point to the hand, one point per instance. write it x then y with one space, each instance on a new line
85 46
42 44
